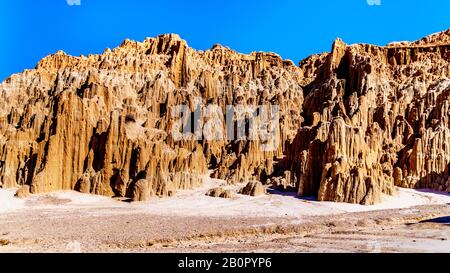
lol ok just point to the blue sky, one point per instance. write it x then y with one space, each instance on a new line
32 29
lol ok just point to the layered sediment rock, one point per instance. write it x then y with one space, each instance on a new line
377 117
220 193
351 125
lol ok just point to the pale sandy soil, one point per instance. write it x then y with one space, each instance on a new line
193 222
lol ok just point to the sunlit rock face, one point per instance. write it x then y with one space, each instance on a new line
348 125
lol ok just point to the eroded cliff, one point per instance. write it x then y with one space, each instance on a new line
352 123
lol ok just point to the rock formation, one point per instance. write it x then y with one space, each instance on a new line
220 192
351 125
253 188
23 192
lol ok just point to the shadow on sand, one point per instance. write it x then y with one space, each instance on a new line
441 220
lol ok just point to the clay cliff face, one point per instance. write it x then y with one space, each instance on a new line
352 123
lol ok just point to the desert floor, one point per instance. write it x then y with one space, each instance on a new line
411 221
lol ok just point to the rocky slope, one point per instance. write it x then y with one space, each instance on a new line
352 123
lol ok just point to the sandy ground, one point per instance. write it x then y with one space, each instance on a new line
193 222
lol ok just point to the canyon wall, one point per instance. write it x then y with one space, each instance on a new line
351 124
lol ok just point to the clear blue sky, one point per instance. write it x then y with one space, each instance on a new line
32 29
